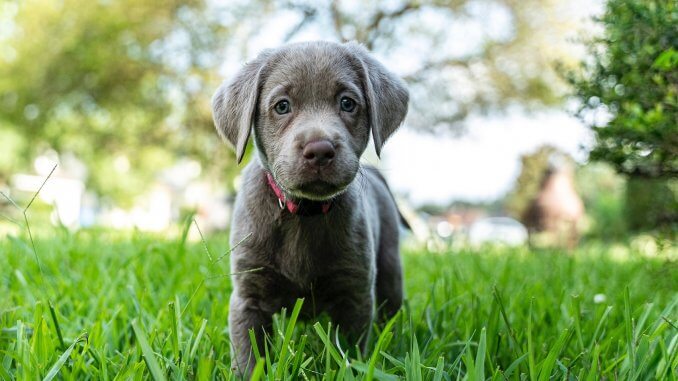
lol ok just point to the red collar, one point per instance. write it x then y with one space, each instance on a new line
301 207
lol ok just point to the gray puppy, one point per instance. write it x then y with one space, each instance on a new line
314 222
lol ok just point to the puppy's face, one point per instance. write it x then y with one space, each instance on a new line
312 107
312 122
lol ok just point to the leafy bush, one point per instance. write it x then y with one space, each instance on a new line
603 193
632 79
632 76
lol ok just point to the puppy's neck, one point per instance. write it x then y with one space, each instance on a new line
302 207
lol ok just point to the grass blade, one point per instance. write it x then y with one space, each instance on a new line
599 327
198 337
328 343
383 337
288 336
480 354
550 361
258 371
56 324
439 372
532 365
175 330
184 233
628 325
514 365
54 370
149 355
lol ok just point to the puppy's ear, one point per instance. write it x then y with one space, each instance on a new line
386 94
234 105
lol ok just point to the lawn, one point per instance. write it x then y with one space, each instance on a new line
110 305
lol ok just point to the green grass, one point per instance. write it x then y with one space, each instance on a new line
124 306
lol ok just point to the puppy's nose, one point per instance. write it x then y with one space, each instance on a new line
319 153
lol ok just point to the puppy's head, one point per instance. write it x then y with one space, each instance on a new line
312 107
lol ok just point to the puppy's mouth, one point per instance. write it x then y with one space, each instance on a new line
317 190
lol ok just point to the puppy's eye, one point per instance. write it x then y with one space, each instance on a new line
283 107
347 104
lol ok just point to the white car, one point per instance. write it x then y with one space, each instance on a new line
503 230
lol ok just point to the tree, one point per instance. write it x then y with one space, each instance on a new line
603 191
121 84
544 198
632 77
125 85
464 57
533 167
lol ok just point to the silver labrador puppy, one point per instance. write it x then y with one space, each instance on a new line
316 223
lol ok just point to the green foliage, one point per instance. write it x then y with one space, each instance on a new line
125 85
651 203
633 76
108 81
603 192
153 307
498 68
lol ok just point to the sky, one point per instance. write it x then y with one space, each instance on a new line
480 165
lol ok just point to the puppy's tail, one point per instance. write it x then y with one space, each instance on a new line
381 178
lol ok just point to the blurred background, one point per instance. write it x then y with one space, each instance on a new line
550 121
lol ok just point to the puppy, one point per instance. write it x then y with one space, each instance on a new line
316 223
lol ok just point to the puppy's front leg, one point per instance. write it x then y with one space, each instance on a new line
353 315
245 314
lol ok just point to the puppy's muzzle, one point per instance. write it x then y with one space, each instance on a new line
319 153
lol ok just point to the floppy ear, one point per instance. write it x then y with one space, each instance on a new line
234 105
386 94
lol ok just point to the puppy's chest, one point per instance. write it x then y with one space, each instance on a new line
302 261
306 255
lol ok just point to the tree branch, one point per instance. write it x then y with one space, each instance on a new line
653 173
308 13
436 65
381 15
337 21
374 25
